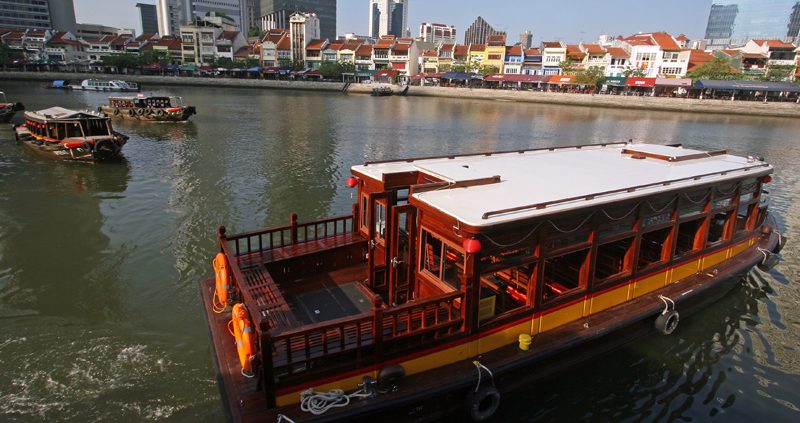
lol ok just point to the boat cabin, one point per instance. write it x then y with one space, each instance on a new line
469 251
57 123
141 102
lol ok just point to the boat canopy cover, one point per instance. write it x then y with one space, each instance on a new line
740 85
57 113
59 83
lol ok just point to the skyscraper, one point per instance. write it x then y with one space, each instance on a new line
234 9
388 17
149 17
478 31
42 14
171 14
752 19
276 13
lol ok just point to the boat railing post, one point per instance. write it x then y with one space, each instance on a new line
221 236
293 224
355 216
266 368
377 325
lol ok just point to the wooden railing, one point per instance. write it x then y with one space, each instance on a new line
263 240
385 330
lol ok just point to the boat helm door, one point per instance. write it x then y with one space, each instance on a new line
401 253
379 240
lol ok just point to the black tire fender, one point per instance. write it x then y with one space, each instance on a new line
667 322
390 377
483 404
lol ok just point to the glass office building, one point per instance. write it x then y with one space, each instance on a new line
753 19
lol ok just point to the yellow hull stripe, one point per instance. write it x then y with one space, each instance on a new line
540 323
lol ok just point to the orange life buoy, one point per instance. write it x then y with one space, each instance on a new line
245 338
222 284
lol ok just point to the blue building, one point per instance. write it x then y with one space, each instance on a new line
753 19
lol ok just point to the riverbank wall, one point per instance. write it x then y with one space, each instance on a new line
685 105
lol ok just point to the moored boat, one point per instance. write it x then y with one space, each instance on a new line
70 135
459 277
59 84
154 108
8 110
107 85
382 91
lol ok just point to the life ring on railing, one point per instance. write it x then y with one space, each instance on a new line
483 403
244 336
222 286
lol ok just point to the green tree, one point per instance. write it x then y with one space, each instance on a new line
347 67
121 61
445 67
330 69
778 73
717 68
568 67
223 62
488 70
458 68
634 73
8 55
149 57
254 32
594 75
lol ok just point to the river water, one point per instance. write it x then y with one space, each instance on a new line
99 263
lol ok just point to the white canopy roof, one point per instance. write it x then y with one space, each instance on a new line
551 176
57 112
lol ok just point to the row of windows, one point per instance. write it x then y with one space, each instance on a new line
571 256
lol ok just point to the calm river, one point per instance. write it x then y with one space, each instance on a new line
99 263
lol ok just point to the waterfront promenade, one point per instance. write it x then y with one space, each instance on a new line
788 109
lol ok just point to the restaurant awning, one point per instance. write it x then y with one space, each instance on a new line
640 82
427 75
459 76
271 69
254 69
739 85
562 79
615 81
366 72
386 72
514 77
674 82
188 68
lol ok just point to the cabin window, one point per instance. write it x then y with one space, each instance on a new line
380 220
73 130
567 232
402 196
613 259
442 261
693 203
742 215
653 249
688 233
504 290
617 220
505 258
564 274
658 210
95 127
716 228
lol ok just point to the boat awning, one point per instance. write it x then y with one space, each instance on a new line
514 77
739 85
640 82
674 82
458 76
615 81
386 72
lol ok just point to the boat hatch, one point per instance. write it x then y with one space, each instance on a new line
668 153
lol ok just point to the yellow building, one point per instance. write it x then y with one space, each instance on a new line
496 51
476 57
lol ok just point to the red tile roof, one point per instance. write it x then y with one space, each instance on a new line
335 46
171 43
698 58
496 40
681 37
315 44
594 49
364 50
430 53
385 43
477 47
731 52
533 52
58 39
352 44
401 47
275 35
145 37
515 50
552 44
665 41
618 52
447 47
774 43
242 52
574 52
753 56
284 44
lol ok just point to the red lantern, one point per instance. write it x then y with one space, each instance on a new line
351 182
767 179
472 245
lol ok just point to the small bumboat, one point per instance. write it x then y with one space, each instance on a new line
70 135
382 91
156 109
8 110
107 85
457 278
59 84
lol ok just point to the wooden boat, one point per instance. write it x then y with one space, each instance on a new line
70 135
157 109
382 91
107 85
457 278
8 110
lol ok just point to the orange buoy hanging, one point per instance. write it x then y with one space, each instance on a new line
222 286
245 338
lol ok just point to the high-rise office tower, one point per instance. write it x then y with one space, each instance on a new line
388 17
437 33
276 13
479 31
149 17
39 14
753 19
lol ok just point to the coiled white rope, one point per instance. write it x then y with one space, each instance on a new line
318 403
